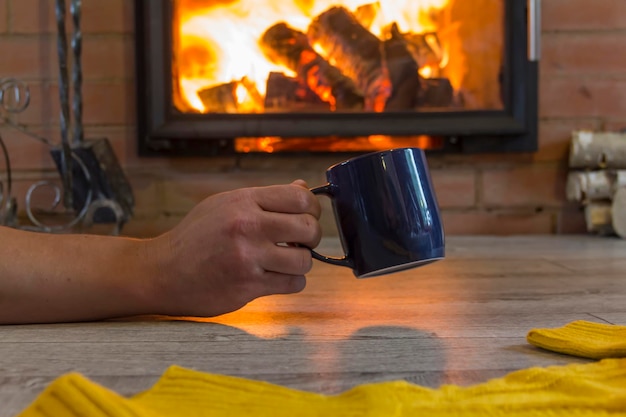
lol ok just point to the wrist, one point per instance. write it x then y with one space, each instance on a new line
141 278
153 270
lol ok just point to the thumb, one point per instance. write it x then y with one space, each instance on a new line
301 183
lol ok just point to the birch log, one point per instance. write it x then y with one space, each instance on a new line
583 186
618 212
598 217
597 150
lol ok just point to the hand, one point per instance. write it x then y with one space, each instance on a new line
234 247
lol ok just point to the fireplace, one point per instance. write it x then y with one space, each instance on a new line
236 76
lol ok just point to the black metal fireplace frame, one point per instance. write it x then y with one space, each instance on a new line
162 130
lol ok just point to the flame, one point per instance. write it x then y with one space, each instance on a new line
218 41
426 71
410 15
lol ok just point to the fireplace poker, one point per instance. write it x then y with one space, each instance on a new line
66 151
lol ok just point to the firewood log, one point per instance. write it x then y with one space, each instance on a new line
425 48
618 212
290 94
435 92
286 46
402 72
594 185
598 217
355 51
598 150
220 98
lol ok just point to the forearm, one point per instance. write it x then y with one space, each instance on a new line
56 278
226 252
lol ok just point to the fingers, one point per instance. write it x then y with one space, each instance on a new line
282 284
288 260
290 215
283 272
294 198
303 229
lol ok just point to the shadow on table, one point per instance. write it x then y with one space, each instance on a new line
325 359
387 353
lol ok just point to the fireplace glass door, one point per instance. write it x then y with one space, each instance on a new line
335 75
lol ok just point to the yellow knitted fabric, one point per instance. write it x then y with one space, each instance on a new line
597 389
583 338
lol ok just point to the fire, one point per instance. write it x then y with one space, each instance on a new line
219 57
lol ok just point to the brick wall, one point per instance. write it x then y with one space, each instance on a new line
583 85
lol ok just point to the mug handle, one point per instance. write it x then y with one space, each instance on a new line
327 190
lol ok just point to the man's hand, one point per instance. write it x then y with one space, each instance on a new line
230 249
234 247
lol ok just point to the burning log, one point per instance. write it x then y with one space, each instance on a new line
290 94
224 98
357 52
402 72
435 92
289 47
220 98
425 48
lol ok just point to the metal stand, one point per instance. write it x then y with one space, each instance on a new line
93 186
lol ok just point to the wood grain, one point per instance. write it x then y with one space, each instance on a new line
459 321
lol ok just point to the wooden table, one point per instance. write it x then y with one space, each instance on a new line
462 321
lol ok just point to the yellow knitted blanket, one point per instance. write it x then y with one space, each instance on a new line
594 389
583 338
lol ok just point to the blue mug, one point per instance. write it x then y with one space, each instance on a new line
386 212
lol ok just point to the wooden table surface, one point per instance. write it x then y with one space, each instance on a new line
461 321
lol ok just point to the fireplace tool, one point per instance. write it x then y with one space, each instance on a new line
14 98
94 189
